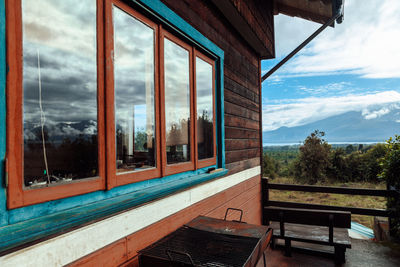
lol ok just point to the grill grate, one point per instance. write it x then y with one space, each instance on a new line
205 248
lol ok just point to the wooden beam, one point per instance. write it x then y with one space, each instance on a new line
328 189
361 211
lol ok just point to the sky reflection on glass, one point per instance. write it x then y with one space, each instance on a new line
204 87
177 102
134 92
64 34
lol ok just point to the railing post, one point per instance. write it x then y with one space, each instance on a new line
264 199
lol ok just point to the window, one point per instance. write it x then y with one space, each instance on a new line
96 101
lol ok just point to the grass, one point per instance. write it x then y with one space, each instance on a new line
371 202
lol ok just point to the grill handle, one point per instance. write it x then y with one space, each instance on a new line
170 252
241 214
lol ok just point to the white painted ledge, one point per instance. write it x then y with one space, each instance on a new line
76 244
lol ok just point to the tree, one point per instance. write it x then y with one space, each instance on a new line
313 159
270 167
391 172
337 170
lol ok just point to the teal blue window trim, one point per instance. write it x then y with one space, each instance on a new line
22 225
3 67
27 231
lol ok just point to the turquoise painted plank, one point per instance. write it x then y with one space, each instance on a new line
27 231
3 213
43 209
221 113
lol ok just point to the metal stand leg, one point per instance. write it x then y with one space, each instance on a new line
288 247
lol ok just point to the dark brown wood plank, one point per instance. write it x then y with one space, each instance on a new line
236 110
240 133
232 97
242 165
241 122
361 211
313 234
239 144
238 89
330 189
238 155
341 219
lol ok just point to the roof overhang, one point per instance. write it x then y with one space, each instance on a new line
234 17
319 11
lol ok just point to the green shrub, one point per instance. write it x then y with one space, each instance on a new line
391 172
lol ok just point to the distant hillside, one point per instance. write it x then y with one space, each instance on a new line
347 127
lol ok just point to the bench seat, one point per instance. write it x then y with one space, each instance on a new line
312 234
312 226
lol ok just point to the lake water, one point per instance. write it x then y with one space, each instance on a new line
331 143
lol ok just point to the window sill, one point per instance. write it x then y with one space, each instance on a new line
26 233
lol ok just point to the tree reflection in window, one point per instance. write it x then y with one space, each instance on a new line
60 91
205 128
177 102
134 93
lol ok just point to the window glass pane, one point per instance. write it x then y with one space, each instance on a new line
177 102
60 91
205 130
134 93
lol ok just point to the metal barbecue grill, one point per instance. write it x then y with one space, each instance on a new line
208 242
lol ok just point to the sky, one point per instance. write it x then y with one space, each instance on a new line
354 66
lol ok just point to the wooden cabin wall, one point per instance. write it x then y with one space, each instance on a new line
242 128
245 196
241 72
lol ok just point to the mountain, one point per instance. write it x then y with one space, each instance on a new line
347 127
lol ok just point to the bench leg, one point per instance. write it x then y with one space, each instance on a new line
340 254
273 242
288 247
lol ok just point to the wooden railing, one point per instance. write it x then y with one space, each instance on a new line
266 186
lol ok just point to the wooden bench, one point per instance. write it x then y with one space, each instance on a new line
312 226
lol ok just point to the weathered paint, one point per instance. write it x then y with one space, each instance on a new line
28 230
3 69
66 248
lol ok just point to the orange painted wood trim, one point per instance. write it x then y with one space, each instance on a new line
109 109
17 195
168 169
115 179
211 161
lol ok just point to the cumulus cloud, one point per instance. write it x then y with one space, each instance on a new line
295 112
365 44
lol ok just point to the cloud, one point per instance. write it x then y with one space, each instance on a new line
295 112
336 89
365 44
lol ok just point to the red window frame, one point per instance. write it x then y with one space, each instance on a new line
17 195
201 163
113 178
169 169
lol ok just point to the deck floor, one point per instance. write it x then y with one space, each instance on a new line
363 253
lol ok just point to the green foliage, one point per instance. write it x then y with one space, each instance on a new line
270 167
391 172
313 158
